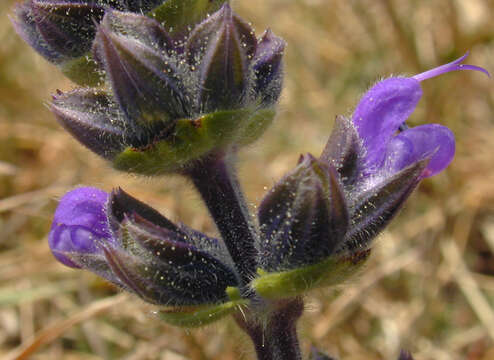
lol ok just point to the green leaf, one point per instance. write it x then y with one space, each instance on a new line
177 15
330 272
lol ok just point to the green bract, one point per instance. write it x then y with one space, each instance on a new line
286 284
194 138
195 316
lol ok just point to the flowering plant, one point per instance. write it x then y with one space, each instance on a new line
180 87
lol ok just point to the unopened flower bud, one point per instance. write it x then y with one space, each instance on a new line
134 247
222 48
303 218
63 31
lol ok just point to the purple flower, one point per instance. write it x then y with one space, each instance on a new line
131 245
79 224
382 113
332 207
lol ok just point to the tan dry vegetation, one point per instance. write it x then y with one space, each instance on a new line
429 286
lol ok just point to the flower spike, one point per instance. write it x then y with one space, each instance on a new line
452 66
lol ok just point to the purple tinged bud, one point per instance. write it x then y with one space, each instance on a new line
221 49
303 218
58 30
141 28
144 81
63 30
268 67
94 119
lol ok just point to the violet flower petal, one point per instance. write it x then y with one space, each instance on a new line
79 222
417 143
381 111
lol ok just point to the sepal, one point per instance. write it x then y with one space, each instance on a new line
94 119
268 68
344 150
375 207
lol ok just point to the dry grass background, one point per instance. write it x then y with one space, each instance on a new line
429 286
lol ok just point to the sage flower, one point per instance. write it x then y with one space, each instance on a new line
318 222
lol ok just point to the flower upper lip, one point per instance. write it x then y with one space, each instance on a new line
383 111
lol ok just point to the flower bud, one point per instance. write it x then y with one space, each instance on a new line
145 83
134 247
63 31
60 31
303 218
221 48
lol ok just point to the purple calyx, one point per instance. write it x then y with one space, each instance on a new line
380 120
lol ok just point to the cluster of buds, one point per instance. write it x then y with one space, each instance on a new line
171 96
178 89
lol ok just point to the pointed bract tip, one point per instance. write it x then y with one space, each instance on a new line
455 65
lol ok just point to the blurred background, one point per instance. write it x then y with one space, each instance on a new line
429 286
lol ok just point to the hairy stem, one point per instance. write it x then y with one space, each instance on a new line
274 335
216 181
